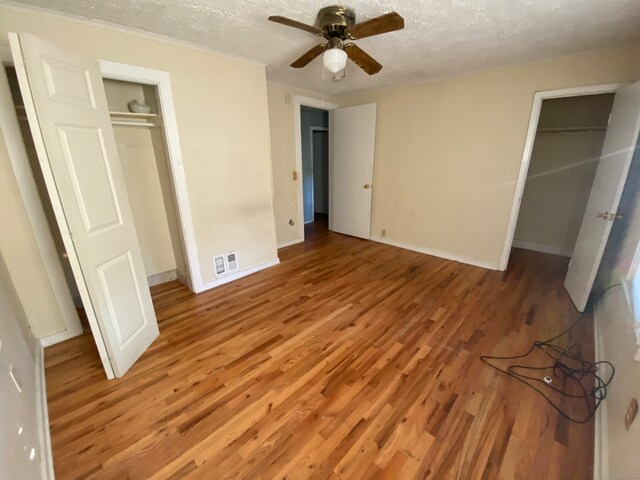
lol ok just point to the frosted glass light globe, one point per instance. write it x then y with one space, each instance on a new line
334 59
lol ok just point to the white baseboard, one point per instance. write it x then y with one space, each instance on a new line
290 242
46 455
235 276
539 247
438 253
183 279
600 444
162 277
60 337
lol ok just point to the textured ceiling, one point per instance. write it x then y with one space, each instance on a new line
441 37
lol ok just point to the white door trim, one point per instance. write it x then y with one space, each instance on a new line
299 101
10 128
312 130
162 80
528 148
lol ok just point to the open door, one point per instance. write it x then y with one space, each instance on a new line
67 111
353 141
619 145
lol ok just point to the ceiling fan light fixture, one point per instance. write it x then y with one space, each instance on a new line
334 59
337 24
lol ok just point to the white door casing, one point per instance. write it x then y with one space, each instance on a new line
353 143
619 145
69 119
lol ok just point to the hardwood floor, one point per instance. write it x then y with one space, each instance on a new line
351 359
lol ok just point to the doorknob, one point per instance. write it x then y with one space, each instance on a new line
608 216
368 186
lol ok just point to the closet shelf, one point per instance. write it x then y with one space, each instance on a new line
563 130
130 119
134 124
131 115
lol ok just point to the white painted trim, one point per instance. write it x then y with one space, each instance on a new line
528 148
289 243
600 444
539 247
239 274
46 455
10 129
162 277
162 80
60 337
437 253
299 101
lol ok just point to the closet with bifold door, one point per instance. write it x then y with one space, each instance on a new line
142 150
97 176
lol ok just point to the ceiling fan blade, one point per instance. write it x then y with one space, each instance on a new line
389 22
362 59
310 55
295 24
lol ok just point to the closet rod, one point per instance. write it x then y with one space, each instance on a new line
563 130
135 124
125 124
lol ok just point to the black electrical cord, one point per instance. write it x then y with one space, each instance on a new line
568 365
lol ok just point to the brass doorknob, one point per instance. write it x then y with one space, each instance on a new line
368 186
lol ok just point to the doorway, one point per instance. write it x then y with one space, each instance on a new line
314 133
564 160
110 284
601 184
142 151
312 115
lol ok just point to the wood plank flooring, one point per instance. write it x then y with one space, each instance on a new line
351 359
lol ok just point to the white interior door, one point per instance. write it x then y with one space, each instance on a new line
68 116
617 152
353 139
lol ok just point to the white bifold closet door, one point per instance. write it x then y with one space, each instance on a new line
353 139
67 111
620 143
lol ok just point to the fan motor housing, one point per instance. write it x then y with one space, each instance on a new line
334 20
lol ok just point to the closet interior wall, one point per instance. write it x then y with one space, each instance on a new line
142 150
564 160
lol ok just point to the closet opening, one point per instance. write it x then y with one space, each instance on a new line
314 130
142 148
565 156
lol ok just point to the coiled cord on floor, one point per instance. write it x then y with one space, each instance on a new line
567 365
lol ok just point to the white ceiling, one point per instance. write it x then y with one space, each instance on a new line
441 37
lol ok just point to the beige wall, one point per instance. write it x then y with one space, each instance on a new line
138 159
618 342
20 251
563 166
20 353
448 152
221 109
283 157
555 196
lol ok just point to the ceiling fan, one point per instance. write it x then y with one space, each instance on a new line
338 25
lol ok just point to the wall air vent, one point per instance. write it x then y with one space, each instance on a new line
220 265
232 261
